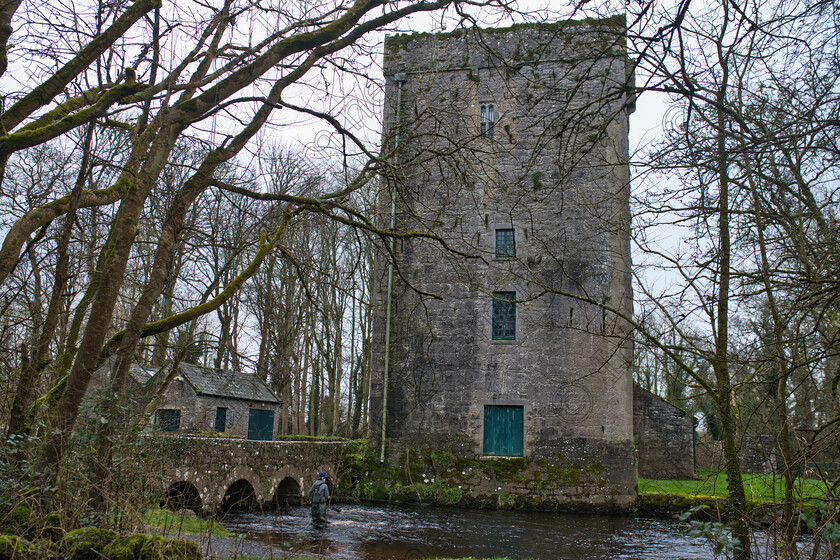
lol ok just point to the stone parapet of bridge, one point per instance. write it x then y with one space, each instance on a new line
211 474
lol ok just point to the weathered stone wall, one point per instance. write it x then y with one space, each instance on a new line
664 437
758 454
180 395
441 477
556 172
238 414
212 465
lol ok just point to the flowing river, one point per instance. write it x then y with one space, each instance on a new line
404 532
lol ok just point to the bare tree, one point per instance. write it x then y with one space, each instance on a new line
155 75
745 211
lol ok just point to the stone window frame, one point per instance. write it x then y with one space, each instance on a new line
168 419
502 221
487 119
503 304
508 248
526 427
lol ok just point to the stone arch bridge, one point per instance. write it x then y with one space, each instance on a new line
209 474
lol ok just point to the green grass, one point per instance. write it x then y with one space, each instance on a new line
759 488
170 522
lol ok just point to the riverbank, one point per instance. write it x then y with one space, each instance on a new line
705 497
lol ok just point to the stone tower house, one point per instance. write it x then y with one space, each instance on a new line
498 333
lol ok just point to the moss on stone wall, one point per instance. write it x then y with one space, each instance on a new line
12 546
421 476
309 438
172 448
426 475
619 22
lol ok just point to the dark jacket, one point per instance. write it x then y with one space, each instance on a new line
319 492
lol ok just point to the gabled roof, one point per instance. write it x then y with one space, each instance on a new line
140 374
226 384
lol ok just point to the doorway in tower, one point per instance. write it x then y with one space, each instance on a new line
504 430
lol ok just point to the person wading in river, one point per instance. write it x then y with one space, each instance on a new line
319 495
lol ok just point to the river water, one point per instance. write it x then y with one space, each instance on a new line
402 532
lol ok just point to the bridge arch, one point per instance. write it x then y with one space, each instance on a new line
280 474
241 495
287 493
237 473
182 494
184 478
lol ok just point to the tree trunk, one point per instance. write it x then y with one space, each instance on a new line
783 434
24 396
737 497
112 265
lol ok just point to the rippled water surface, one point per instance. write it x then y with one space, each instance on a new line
394 532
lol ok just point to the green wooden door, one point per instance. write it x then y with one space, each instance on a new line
503 430
261 425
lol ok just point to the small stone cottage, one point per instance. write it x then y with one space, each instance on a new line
201 399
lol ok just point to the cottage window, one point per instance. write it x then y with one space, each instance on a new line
488 120
221 418
168 420
504 315
504 430
505 243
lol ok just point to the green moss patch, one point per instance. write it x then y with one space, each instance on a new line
172 521
310 438
144 547
140 547
87 543
14 547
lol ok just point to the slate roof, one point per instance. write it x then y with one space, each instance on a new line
227 384
140 374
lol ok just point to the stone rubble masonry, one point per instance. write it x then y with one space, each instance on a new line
556 171
758 454
664 437
213 465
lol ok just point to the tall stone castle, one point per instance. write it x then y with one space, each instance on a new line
498 332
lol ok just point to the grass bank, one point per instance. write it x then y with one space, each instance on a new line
760 488
708 492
